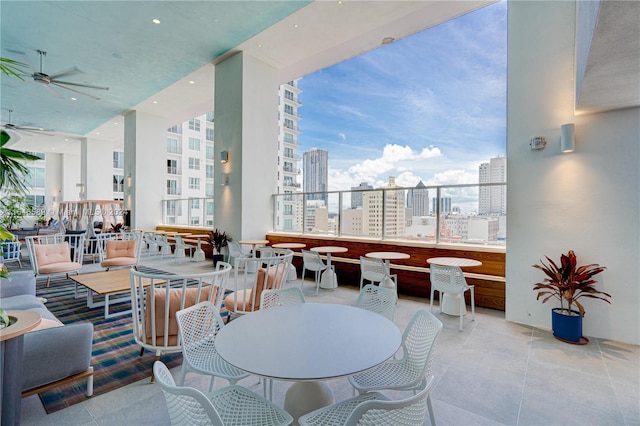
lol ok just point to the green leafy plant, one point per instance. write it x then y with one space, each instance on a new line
569 282
13 68
13 210
13 175
218 240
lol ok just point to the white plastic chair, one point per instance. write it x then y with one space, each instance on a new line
380 300
374 408
375 271
164 245
236 252
232 405
280 297
311 261
199 325
408 372
155 298
181 248
248 287
450 279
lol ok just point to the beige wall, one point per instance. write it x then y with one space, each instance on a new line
587 201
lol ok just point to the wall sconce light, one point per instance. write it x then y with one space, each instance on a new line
129 179
225 179
224 157
567 138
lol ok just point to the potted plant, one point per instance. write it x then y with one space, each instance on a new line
568 282
218 240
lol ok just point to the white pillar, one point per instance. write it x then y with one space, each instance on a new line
246 114
144 175
96 169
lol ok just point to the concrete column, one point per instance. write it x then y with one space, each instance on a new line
144 175
96 169
246 114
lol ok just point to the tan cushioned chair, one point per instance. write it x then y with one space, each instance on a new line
244 301
120 253
55 258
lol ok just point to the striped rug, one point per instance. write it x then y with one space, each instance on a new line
115 358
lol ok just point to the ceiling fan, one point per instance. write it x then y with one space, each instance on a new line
54 79
16 128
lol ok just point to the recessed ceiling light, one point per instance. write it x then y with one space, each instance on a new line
295 25
155 102
339 1
155 20
66 140
260 45
115 123
74 99
97 133
192 82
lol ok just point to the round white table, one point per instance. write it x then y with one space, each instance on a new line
308 343
387 256
451 302
198 254
331 282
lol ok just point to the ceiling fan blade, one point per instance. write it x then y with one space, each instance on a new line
74 90
79 85
53 91
35 131
65 73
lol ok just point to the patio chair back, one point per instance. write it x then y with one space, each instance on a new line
55 254
380 300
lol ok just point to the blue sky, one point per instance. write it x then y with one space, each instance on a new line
428 107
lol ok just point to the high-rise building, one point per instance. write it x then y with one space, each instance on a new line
356 197
418 200
445 205
190 166
493 199
316 173
393 220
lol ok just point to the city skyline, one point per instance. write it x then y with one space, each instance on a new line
429 107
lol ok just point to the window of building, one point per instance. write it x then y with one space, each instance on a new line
288 137
172 187
288 123
34 200
208 190
35 177
195 203
173 146
194 183
40 155
175 129
288 109
195 220
209 208
209 171
172 167
288 153
194 144
118 160
194 124
209 134
118 183
288 94
210 117
209 153
194 163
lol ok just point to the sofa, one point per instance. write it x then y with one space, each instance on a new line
54 353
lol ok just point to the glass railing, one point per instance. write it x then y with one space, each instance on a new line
464 214
187 211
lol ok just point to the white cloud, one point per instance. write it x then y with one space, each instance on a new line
342 136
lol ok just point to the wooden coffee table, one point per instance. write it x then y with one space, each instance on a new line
107 284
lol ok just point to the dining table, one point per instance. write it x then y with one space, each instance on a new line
329 279
451 302
308 343
198 253
388 256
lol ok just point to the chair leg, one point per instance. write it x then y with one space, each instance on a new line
462 309
432 417
90 383
49 279
473 305
153 378
318 276
431 299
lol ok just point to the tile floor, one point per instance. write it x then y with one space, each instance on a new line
492 373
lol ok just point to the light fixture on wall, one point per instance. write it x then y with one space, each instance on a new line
224 157
129 179
567 138
225 179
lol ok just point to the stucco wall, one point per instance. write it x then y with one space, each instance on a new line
589 200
